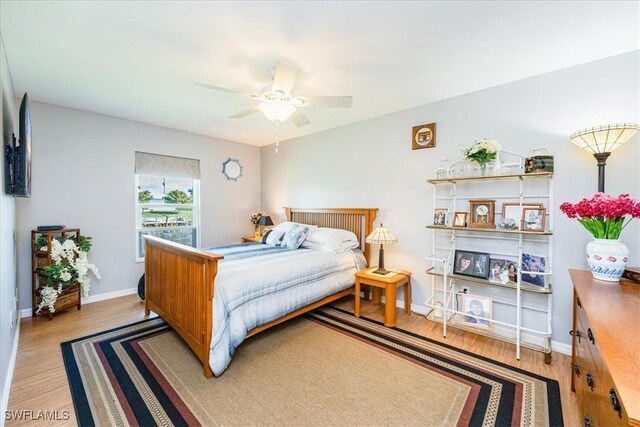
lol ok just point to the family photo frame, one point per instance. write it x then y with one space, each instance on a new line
478 311
472 264
533 219
532 266
503 270
439 216
460 219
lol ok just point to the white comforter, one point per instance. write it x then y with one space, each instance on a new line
257 284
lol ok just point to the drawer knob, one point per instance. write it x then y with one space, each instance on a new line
576 369
615 404
589 379
590 335
587 421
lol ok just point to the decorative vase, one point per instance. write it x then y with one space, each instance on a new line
607 258
483 169
256 231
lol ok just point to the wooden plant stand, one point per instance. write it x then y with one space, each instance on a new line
70 296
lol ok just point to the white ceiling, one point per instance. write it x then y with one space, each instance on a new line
139 59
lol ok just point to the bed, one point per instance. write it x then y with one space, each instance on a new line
180 281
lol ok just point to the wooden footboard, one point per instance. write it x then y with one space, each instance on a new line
179 280
179 283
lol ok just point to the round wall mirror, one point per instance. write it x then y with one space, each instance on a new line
232 169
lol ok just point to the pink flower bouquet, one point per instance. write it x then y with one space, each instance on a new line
603 215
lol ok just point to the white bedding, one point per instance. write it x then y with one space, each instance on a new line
257 284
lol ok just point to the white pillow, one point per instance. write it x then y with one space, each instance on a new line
330 239
288 225
284 226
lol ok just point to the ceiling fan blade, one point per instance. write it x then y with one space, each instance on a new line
299 119
327 101
221 89
244 113
285 77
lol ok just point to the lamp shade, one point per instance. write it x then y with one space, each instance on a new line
381 236
604 139
265 221
276 110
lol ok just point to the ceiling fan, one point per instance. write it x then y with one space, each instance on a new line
278 103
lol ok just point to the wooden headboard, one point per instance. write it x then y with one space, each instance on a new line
357 220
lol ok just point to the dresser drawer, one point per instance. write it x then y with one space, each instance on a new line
611 410
587 381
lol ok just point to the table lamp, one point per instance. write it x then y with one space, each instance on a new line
602 141
381 236
264 221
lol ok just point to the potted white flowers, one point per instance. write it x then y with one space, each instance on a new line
70 268
482 152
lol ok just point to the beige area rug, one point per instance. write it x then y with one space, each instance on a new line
326 368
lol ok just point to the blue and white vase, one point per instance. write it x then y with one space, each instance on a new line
607 258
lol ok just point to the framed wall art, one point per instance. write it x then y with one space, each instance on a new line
423 136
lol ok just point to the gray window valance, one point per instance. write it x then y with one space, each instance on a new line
161 165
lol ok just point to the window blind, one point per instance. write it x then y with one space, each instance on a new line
161 165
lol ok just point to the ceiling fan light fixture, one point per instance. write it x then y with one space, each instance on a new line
276 110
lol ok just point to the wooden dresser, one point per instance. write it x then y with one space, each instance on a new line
606 350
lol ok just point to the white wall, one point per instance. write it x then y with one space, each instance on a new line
371 164
8 313
83 176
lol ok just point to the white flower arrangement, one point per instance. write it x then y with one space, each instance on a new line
482 151
70 265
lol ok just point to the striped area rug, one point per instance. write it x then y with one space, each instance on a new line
324 368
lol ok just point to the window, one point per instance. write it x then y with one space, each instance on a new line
167 204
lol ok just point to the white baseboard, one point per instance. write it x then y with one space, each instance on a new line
560 347
6 388
92 298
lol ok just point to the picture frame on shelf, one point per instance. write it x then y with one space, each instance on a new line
439 216
460 219
531 266
478 311
472 264
482 213
513 212
533 219
503 270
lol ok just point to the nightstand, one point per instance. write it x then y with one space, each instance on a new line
251 239
390 282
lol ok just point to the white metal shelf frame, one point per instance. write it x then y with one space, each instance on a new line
449 289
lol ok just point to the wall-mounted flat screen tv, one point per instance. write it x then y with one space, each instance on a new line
17 154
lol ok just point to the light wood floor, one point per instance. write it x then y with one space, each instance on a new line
40 380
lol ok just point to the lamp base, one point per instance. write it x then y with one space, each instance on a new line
380 271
